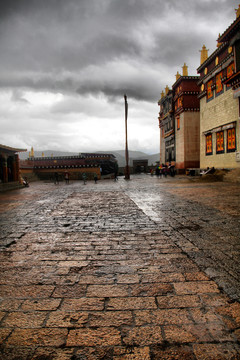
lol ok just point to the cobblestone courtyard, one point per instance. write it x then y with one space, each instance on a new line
140 269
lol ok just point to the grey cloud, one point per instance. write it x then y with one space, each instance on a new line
136 90
18 96
42 40
92 52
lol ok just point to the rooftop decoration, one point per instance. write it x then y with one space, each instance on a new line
185 70
177 76
204 54
237 12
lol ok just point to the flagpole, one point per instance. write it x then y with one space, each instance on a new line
127 173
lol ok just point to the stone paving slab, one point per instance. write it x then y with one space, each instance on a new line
112 271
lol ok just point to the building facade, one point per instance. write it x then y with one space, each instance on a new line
167 127
187 121
89 164
219 102
9 166
179 123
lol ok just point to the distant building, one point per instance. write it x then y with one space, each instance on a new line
140 165
9 167
90 164
220 101
107 162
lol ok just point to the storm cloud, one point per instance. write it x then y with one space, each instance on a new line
65 65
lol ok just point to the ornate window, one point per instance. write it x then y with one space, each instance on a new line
219 85
220 142
230 70
209 90
231 140
209 144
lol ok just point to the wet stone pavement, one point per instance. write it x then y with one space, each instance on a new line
140 269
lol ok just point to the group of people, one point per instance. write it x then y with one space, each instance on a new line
67 178
164 170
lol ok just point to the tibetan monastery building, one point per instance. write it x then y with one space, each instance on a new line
90 164
220 101
187 121
179 123
167 127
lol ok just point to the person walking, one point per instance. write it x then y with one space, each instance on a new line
84 176
56 178
67 177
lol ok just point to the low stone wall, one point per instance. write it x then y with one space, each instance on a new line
10 186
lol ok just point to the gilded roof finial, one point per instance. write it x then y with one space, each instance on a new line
162 94
218 43
31 154
166 90
237 12
177 76
204 54
185 70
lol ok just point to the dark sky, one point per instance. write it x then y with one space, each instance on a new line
65 66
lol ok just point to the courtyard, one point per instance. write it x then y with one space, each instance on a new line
146 268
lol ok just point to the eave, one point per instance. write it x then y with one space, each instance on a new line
233 79
8 148
185 109
230 30
182 78
182 93
224 63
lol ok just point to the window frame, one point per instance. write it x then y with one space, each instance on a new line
230 72
220 142
209 90
231 148
208 137
219 82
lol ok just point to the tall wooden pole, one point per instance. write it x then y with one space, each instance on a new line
127 172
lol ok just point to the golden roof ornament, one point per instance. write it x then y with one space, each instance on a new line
31 154
204 54
166 90
185 70
237 12
219 43
162 94
177 76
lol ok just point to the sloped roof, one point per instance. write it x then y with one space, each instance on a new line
8 148
228 32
